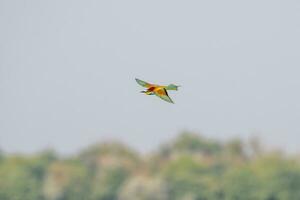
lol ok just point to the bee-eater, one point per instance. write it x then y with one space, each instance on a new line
158 90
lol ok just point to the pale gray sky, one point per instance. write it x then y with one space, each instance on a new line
67 72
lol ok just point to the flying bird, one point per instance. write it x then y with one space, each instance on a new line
158 90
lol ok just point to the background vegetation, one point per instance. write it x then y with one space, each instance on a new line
188 168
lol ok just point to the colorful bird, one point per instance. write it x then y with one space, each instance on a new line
158 90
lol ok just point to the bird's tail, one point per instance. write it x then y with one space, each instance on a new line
172 87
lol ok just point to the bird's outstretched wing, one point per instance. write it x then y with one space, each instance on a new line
163 94
143 83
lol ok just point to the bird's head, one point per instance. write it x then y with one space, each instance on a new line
147 92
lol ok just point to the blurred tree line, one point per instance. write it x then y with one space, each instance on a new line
188 168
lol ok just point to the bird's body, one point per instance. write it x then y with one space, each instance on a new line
158 90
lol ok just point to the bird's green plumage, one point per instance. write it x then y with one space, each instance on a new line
163 95
142 83
158 90
172 87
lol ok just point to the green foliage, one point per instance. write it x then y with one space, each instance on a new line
20 179
144 188
107 186
192 143
189 168
185 177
